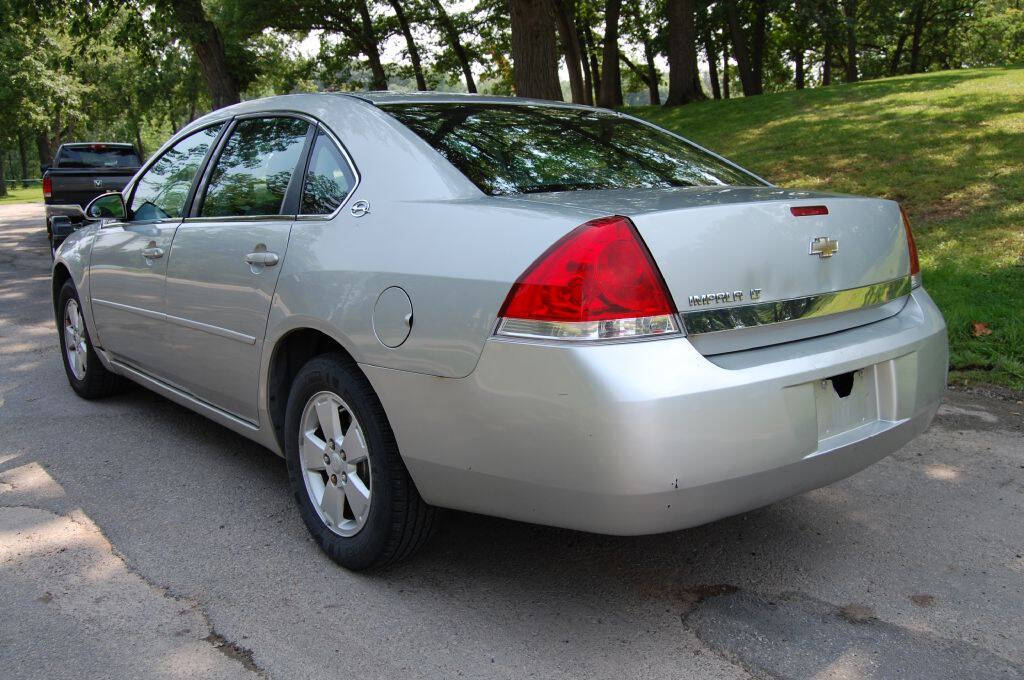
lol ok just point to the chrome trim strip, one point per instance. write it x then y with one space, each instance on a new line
213 330
240 218
185 399
187 323
148 313
781 311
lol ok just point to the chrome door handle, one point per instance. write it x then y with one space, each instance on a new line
262 258
152 253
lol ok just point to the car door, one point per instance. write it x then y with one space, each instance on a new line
225 260
128 262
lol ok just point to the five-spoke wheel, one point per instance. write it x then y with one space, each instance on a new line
76 346
354 492
336 463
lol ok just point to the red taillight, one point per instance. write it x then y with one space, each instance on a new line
915 263
808 210
47 187
598 281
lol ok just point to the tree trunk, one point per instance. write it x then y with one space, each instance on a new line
653 78
683 76
712 55
757 53
44 147
799 78
592 50
725 67
534 53
571 44
915 42
610 72
208 44
826 64
850 11
23 157
456 43
589 82
138 142
744 60
370 47
3 178
410 44
897 55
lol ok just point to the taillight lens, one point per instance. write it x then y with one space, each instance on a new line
915 264
598 282
47 187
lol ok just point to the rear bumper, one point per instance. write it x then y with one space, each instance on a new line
645 437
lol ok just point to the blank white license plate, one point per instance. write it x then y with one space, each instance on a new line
840 414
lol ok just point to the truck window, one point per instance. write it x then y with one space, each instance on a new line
97 156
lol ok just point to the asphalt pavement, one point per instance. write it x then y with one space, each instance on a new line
139 540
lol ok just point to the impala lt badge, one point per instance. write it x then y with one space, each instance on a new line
823 247
716 298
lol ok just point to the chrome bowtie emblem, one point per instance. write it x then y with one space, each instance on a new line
823 247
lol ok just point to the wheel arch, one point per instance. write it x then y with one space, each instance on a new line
61 274
290 353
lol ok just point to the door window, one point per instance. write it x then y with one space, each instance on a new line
163 189
252 175
328 180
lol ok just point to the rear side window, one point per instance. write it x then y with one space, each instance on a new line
98 156
328 179
517 149
163 189
251 176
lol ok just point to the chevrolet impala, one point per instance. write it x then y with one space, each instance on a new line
545 312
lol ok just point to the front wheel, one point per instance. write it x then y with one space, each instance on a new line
353 490
87 376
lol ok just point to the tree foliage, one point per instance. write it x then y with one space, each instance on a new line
135 70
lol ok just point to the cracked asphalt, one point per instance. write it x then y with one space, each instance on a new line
139 540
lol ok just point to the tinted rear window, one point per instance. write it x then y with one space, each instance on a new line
97 156
516 148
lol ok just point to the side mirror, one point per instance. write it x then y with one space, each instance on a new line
108 206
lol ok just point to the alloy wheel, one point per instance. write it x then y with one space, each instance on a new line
335 463
76 347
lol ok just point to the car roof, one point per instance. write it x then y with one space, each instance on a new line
384 97
121 144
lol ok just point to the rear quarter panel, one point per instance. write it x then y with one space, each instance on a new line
456 259
430 231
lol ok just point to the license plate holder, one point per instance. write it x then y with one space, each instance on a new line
840 414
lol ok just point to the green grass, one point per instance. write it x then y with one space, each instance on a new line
33 194
949 146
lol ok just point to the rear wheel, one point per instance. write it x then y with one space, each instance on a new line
87 376
353 490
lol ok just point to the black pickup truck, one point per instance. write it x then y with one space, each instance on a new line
79 173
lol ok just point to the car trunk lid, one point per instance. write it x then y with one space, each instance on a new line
743 269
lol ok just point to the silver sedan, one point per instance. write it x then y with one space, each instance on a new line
545 312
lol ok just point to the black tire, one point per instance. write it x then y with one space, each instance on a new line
97 382
399 521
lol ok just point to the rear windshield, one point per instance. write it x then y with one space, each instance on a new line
521 149
97 156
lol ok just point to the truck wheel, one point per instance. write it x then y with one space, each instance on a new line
87 376
353 490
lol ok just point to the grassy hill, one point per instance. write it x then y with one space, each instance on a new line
949 146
